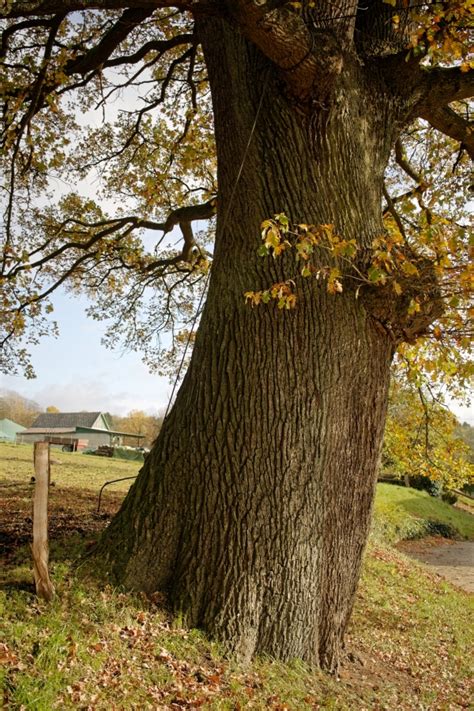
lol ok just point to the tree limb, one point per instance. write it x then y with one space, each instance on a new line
441 86
447 121
308 57
402 161
183 217
28 8
129 19
152 46
435 89
24 25
424 89
94 59
190 213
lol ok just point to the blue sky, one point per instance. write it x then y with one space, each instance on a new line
75 372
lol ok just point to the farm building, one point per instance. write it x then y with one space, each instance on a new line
74 430
9 430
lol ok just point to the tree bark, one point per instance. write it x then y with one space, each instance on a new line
253 508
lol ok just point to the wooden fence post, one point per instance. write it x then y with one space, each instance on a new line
40 549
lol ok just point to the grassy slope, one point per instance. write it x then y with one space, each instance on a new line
400 513
99 648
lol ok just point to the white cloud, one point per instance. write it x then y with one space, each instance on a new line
92 394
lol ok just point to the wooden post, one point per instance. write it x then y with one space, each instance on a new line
44 586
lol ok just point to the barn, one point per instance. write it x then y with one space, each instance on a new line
9 430
74 430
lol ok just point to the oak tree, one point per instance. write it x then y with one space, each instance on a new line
304 126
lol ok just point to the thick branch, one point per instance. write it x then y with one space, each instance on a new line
435 89
129 19
98 56
27 8
24 25
309 58
441 87
190 213
447 121
424 89
183 217
428 93
160 46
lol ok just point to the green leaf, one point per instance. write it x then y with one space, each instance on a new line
376 275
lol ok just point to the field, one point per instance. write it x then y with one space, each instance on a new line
96 647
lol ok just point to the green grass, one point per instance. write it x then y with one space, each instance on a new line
402 513
99 647
71 470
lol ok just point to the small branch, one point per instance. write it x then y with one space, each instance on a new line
391 209
402 161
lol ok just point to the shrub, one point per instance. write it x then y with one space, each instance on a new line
424 483
449 497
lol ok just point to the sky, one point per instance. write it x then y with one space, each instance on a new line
76 372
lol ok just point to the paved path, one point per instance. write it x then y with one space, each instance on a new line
453 561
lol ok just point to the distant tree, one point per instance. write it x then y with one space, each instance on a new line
138 422
17 408
466 433
52 408
422 440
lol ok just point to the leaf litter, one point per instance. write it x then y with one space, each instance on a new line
97 647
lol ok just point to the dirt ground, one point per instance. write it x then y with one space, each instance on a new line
366 668
452 560
70 512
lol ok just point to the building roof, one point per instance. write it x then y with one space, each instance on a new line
59 423
55 420
75 431
9 429
49 430
113 432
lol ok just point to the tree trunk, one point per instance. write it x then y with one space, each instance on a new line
253 509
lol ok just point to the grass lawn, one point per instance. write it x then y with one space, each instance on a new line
402 513
71 470
96 647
